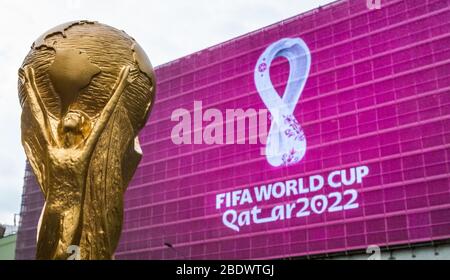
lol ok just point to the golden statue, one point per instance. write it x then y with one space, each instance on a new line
86 89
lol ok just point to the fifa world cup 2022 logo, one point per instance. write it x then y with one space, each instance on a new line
286 142
86 89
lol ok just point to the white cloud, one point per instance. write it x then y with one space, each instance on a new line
166 30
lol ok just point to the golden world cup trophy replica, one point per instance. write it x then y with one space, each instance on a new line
86 89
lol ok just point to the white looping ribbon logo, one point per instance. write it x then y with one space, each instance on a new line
286 142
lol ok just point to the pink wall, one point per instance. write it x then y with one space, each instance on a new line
377 95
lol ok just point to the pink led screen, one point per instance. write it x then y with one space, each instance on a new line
352 147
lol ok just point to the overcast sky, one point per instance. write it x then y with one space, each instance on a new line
166 29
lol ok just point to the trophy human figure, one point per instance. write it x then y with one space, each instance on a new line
81 116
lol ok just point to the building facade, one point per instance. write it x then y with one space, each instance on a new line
8 247
362 141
